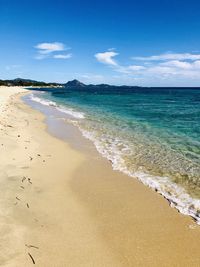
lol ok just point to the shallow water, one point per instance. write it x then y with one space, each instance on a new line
149 133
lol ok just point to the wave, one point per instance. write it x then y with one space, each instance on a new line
63 109
176 195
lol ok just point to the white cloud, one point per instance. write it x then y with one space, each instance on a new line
136 67
50 50
170 56
107 58
46 48
177 64
196 64
132 69
62 56
160 70
164 66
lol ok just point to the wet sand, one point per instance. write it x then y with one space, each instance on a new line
62 204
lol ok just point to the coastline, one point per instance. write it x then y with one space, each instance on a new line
80 212
121 153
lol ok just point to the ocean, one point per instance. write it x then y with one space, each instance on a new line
152 134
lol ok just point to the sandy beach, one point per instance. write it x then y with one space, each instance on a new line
62 204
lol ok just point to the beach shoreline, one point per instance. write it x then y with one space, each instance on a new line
65 206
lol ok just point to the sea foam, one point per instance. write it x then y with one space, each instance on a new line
176 195
68 111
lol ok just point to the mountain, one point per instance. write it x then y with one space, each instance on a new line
21 80
74 83
26 82
77 84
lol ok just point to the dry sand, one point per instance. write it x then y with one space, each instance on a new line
61 206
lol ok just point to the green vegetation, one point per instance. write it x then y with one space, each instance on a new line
25 82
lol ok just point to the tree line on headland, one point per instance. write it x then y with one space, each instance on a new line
74 84
25 82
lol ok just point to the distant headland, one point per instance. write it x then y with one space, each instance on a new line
71 84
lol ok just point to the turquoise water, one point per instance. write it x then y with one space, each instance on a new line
149 133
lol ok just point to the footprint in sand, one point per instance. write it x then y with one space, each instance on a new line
23 179
29 180
31 246
31 258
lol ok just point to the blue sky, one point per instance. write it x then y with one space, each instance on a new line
146 42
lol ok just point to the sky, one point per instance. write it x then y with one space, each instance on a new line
145 43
